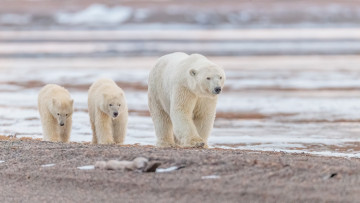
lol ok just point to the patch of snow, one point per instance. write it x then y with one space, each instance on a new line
1 161
87 167
210 177
165 170
96 14
47 165
319 153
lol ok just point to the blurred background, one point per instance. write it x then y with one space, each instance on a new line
292 65
157 27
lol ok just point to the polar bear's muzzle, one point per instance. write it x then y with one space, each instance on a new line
216 90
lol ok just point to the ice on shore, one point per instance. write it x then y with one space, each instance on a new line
87 167
170 169
210 177
47 165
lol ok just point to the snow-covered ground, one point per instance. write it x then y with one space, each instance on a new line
293 104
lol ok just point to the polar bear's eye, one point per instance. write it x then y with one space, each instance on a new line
58 114
110 104
119 104
208 78
220 77
66 114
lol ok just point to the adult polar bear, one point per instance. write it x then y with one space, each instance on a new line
182 94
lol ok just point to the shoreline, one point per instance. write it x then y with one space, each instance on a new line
216 148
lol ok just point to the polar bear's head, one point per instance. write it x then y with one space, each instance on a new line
207 80
113 105
62 110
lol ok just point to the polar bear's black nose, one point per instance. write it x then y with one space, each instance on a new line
116 114
62 124
217 90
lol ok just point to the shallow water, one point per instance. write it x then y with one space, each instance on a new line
299 103
311 110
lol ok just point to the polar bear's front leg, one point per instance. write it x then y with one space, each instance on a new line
119 128
181 113
204 116
162 123
94 137
103 128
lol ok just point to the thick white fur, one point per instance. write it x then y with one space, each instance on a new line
55 107
181 99
107 128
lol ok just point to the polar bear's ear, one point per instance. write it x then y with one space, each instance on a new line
53 100
72 102
105 97
192 72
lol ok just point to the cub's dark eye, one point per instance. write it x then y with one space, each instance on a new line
119 104
66 114
220 77
110 104
58 114
208 78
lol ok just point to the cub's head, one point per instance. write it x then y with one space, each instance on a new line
207 81
113 105
62 110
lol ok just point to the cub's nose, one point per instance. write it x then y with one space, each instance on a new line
116 114
62 124
217 90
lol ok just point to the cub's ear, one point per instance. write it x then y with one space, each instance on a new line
192 72
72 102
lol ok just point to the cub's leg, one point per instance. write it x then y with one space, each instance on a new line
103 128
119 128
67 131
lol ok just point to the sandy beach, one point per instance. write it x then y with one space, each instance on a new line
210 175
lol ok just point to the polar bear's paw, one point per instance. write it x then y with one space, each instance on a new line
165 144
195 142
107 141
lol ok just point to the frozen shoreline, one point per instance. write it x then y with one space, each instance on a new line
267 108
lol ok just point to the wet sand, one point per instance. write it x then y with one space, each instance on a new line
212 175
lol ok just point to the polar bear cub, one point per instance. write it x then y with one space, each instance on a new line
182 96
55 107
108 112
